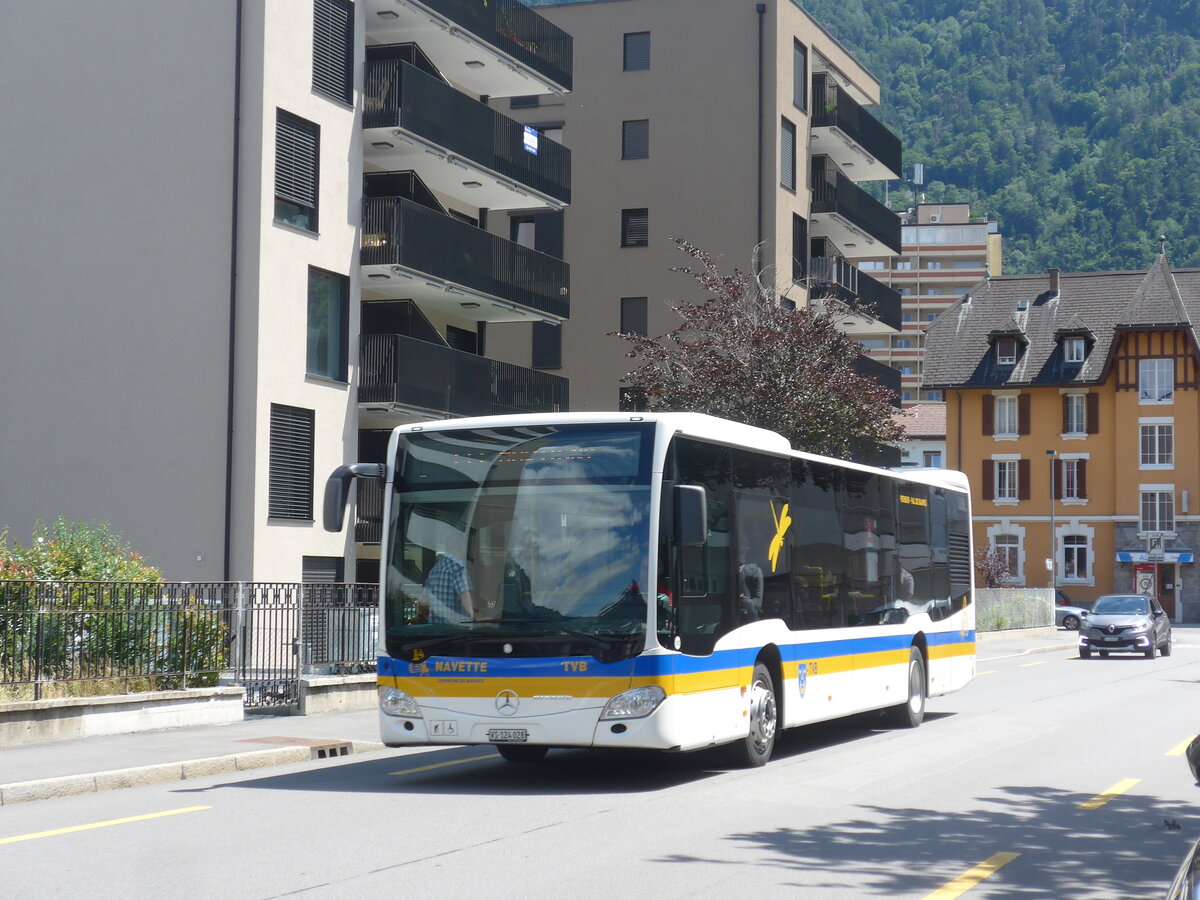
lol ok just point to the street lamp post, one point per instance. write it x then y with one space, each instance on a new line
1053 562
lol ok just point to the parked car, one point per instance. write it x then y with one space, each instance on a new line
1125 623
1068 613
1187 879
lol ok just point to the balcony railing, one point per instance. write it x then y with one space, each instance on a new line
513 28
834 276
833 107
399 232
834 193
399 95
396 368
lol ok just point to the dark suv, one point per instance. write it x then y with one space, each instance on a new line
1125 623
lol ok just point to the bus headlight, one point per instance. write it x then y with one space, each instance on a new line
635 703
397 703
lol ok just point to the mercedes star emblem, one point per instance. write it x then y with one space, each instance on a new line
507 703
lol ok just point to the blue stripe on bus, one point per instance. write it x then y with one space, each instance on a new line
649 666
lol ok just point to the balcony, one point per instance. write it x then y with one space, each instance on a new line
498 48
850 217
837 279
410 251
843 130
459 146
398 372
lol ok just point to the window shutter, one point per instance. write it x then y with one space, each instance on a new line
1081 468
1093 413
787 155
290 474
989 414
1023 414
989 480
333 49
637 51
800 75
1022 479
635 139
635 227
547 346
295 160
1058 478
799 247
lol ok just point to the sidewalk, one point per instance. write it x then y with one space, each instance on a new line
43 771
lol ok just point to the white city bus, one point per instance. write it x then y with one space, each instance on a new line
670 581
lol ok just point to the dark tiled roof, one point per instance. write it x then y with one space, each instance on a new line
1096 304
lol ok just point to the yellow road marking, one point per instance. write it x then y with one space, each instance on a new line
57 831
972 877
1115 791
1040 662
1181 748
988 672
442 765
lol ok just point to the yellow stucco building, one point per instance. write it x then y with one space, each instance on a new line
1072 403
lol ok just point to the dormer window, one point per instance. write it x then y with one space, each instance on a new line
1006 351
1074 350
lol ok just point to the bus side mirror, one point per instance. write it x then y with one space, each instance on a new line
337 491
691 515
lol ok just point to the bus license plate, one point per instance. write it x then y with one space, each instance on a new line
508 735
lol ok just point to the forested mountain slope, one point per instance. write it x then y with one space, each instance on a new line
1075 123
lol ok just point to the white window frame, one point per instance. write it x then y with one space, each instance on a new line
1074 350
1006 359
1007 420
1155 427
1075 529
1164 494
1152 381
1011 489
1004 527
1076 414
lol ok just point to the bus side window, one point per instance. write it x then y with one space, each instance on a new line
818 556
704 611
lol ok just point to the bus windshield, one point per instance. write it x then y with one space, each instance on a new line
527 541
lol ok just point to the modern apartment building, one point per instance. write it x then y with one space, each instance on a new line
1073 402
729 125
946 251
267 222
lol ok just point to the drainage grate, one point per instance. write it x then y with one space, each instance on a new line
321 748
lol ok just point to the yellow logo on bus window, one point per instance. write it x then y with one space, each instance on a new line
783 522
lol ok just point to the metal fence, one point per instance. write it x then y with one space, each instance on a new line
102 637
1000 609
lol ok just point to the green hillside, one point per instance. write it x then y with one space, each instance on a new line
1075 123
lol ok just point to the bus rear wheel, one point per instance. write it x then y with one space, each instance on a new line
522 753
911 712
755 748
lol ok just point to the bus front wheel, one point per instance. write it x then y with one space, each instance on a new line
755 748
522 753
911 712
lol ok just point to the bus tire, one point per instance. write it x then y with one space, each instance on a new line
755 748
522 753
911 712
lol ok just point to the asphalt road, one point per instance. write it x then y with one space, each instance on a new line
1049 776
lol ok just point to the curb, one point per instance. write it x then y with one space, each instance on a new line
69 785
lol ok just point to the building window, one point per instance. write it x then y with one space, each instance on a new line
322 570
637 51
1156 380
328 324
1074 413
933 264
523 230
930 317
333 49
1006 479
635 227
547 346
933 291
870 265
1158 511
935 396
787 155
903 344
1006 351
906 317
634 316
799 247
297 149
635 139
1009 548
1075 557
1074 350
932 459
903 265
1006 416
799 76
529 101
290 471
1157 445
906 396
1072 479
